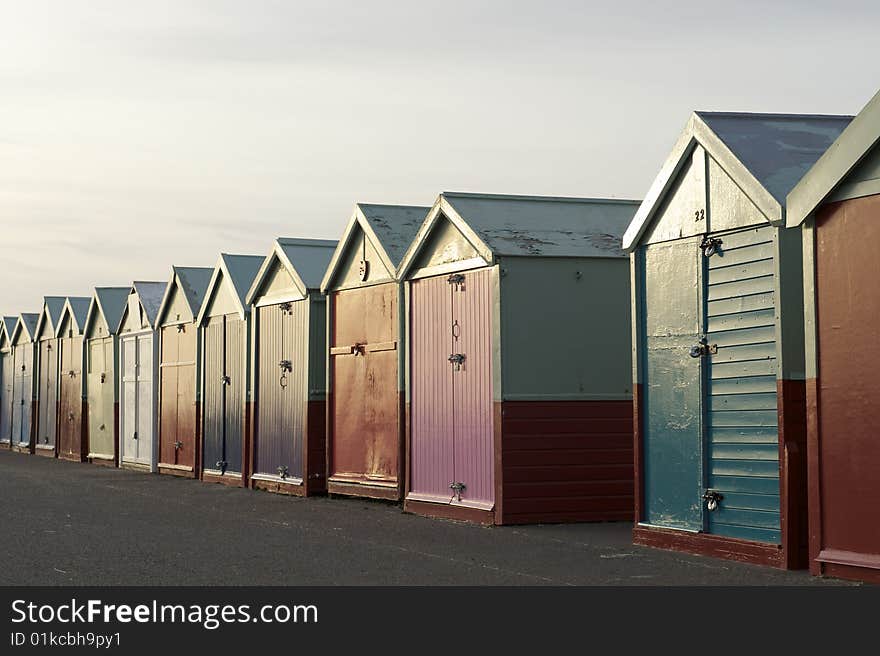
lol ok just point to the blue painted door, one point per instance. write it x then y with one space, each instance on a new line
672 442
742 440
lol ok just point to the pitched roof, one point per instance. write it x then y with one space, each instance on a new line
150 294
238 271
51 312
542 226
765 155
305 259
26 321
78 308
849 149
390 228
7 326
193 282
111 303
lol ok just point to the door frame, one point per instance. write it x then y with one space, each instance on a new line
154 391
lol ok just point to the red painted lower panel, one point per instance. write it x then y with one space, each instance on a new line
704 544
566 461
316 448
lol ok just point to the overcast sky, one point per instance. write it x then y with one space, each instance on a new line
137 135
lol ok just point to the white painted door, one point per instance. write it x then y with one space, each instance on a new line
128 426
145 399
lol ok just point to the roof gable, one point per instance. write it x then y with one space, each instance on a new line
764 154
304 260
48 317
109 303
236 273
389 230
841 158
192 283
77 309
532 226
149 296
25 323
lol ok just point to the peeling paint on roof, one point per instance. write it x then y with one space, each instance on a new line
395 226
778 149
545 226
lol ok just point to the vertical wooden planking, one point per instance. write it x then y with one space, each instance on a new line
472 389
70 388
100 396
22 394
144 396
185 454
212 434
7 369
168 384
269 406
431 405
47 425
296 345
233 408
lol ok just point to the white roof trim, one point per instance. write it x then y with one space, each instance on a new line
219 269
441 207
856 141
358 218
697 132
276 252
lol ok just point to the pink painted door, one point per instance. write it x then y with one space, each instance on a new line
474 452
451 448
431 410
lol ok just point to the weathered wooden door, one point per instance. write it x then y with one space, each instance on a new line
673 389
7 370
99 383
22 398
177 433
128 424
282 388
365 407
452 447
47 396
224 394
70 413
144 434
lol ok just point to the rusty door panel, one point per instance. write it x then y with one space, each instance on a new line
847 309
431 403
7 368
365 399
70 416
168 386
234 399
212 440
47 394
473 426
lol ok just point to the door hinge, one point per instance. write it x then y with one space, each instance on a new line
457 488
703 348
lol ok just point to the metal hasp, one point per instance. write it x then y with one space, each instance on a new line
286 366
457 488
178 445
225 380
703 348
710 245
282 471
712 499
456 279
221 466
457 359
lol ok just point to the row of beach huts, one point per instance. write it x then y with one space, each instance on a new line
702 361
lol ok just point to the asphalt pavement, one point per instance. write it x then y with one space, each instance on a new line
64 523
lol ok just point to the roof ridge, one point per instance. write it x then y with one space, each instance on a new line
559 199
701 112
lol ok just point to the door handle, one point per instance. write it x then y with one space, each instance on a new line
702 348
457 359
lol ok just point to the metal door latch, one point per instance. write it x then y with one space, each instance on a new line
285 307
102 427
457 488
282 471
134 436
221 466
710 246
457 359
71 373
103 377
225 380
286 365
69 416
712 499
358 349
178 445
455 279
181 328
703 348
